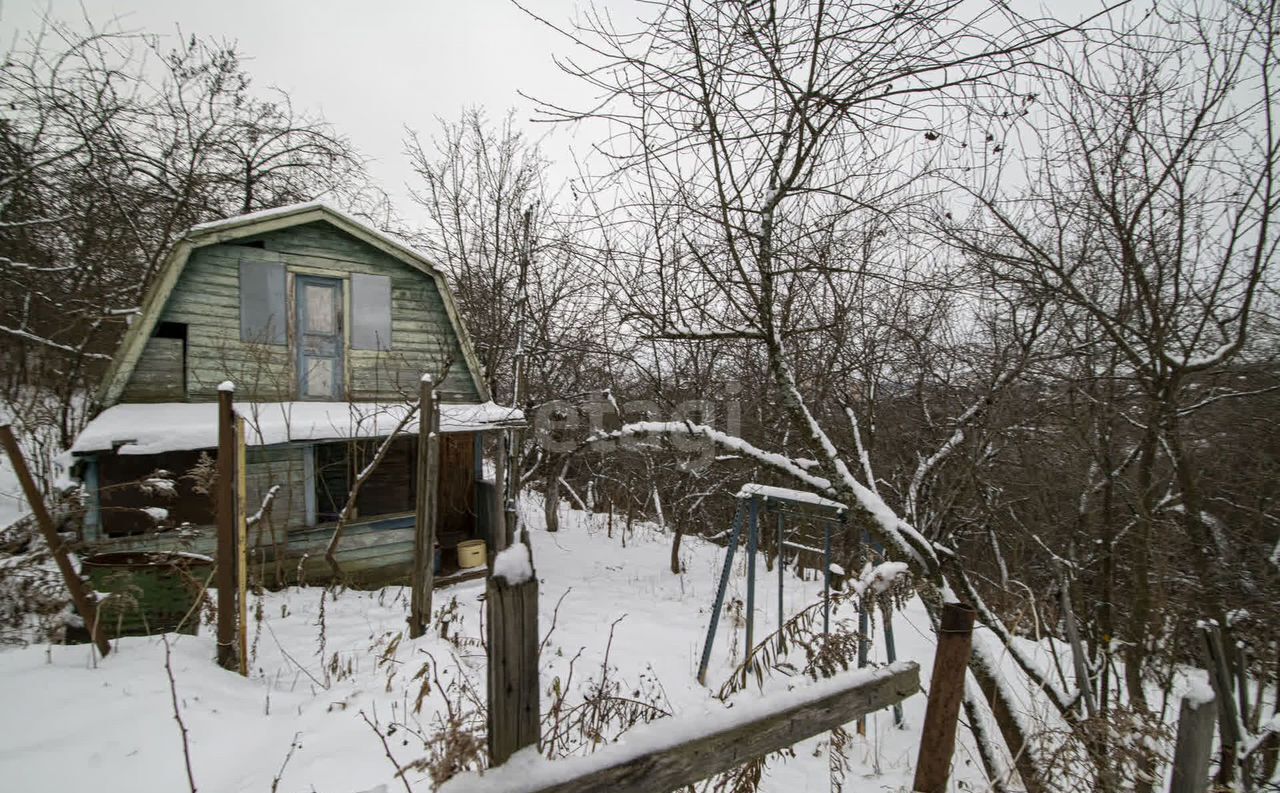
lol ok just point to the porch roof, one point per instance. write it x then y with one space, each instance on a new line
152 428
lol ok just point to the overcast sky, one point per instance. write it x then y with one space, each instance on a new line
371 66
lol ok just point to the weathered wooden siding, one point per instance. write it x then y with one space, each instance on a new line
206 299
158 376
264 469
284 548
372 554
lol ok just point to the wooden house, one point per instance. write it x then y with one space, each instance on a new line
325 328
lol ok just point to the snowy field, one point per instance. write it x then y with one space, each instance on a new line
73 724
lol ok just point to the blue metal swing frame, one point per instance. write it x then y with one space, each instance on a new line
756 496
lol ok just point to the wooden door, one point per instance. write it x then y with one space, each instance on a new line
455 516
319 337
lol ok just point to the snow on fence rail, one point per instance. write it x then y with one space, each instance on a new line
671 753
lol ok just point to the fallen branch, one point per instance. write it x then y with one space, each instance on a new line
177 715
387 750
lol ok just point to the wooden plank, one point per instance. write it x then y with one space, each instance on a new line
680 751
1223 690
158 375
512 627
1195 745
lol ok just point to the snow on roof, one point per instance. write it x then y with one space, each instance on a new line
138 428
787 494
261 214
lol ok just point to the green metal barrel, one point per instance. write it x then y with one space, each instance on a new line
145 593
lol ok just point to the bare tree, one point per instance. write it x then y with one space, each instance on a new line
113 144
763 160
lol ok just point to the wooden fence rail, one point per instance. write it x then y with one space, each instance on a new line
672 753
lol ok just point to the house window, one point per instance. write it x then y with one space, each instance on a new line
391 488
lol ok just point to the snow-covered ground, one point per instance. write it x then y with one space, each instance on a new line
323 663
73 724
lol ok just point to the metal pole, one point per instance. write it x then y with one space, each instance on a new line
724 581
890 648
826 577
864 621
519 387
781 564
753 542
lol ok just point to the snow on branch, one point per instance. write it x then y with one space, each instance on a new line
878 579
778 462
264 507
22 334
895 532
685 332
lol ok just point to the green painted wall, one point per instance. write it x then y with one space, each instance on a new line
206 299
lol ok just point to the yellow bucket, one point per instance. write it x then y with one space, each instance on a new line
471 553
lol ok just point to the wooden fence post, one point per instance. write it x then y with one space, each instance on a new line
498 520
1223 690
946 690
1195 744
226 515
424 537
511 599
82 594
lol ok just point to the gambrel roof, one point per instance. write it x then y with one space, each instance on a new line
255 223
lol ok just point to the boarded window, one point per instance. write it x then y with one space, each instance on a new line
370 312
262 302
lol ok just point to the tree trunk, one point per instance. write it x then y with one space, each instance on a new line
551 506
677 534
